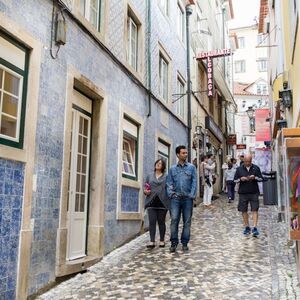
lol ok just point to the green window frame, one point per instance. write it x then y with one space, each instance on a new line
7 67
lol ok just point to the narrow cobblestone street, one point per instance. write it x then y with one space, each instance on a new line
221 264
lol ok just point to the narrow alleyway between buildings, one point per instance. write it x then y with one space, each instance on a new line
221 264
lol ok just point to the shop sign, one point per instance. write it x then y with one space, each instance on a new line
214 53
210 82
214 128
262 125
231 140
209 56
241 146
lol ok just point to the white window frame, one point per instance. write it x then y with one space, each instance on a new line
130 137
262 65
241 42
85 10
163 78
132 45
261 89
180 23
19 97
240 66
164 6
180 104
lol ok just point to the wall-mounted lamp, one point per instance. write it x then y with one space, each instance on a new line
281 124
286 96
250 112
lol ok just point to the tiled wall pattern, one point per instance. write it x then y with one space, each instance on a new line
129 199
81 53
11 199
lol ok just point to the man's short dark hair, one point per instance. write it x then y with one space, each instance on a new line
178 148
209 155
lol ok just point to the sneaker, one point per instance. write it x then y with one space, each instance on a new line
247 230
255 232
185 248
173 248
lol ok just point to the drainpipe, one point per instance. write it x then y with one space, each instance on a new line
149 55
188 11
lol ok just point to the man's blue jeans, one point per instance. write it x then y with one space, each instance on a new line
180 206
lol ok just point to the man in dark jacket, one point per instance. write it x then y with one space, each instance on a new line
247 175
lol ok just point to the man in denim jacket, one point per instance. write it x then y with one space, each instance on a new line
181 189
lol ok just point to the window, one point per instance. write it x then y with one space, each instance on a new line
132 43
261 89
241 42
163 78
261 39
13 86
164 152
262 65
180 99
130 144
240 66
164 5
180 22
91 10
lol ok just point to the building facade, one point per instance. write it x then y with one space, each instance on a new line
87 89
212 49
250 85
279 21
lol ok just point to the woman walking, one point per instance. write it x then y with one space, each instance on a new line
157 202
229 178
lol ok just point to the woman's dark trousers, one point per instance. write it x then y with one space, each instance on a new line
157 216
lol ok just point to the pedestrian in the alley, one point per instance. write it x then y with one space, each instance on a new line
241 159
157 202
230 184
201 176
248 176
181 189
208 181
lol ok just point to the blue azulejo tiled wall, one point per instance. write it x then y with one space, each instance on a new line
11 198
129 199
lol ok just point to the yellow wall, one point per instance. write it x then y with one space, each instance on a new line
292 71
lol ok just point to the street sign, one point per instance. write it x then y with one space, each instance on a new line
231 140
241 146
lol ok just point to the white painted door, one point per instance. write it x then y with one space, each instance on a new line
78 183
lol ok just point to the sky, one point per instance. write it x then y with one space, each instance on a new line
244 12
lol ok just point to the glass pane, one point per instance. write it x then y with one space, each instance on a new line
79 163
82 7
83 170
84 149
77 199
1 76
93 18
8 126
78 182
126 168
86 124
11 84
129 159
81 125
10 105
83 178
82 202
130 169
79 143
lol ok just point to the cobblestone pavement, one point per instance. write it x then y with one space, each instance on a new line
222 264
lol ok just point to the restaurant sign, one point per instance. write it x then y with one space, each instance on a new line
209 56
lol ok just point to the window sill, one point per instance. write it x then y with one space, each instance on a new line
134 216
